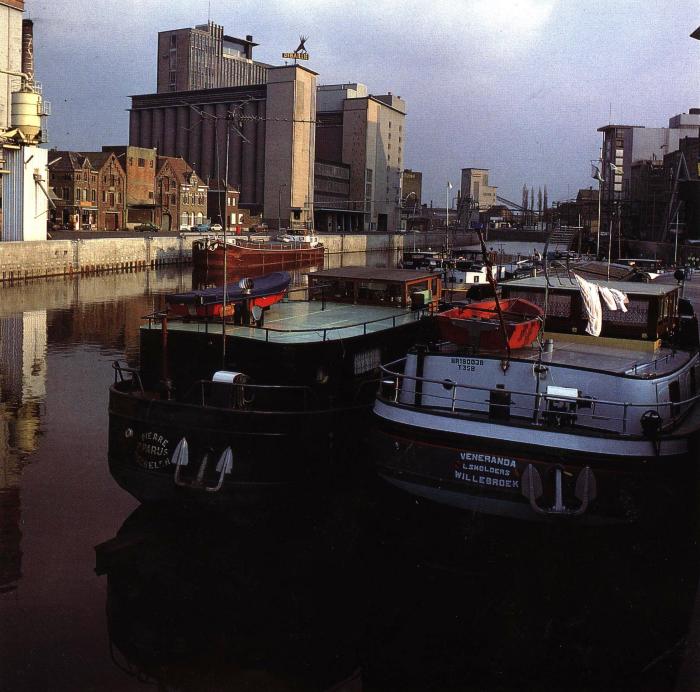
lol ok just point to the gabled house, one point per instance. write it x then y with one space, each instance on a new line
111 190
74 182
181 195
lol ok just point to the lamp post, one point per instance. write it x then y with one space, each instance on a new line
598 176
447 217
279 206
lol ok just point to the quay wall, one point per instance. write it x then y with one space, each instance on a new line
22 260
32 259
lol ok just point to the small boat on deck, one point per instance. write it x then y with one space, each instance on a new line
218 301
604 428
234 414
249 253
484 326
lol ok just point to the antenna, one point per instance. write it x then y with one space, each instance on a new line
209 12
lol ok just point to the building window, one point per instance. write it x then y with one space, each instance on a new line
142 163
151 163
94 195
104 196
119 197
173 198
150 194
131 160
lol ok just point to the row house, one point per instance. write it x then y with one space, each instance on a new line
111 186
224 208
88 190
74 182
181 195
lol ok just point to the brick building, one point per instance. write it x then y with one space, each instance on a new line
139 164
74 182
181 195
223 205
111 186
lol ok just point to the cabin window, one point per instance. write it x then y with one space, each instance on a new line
674 394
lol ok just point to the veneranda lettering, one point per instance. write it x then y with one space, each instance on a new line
488 459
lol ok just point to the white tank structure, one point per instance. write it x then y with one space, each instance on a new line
26 114
24 183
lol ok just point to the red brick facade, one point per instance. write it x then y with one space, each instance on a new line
181 196
74 182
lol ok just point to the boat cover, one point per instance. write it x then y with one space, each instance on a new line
269 284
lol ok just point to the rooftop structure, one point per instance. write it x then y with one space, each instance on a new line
203 57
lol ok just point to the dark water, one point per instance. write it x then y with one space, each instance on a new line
368 590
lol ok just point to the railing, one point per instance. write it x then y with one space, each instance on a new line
228 395
326 331
543 409
242 396
316 292
119 375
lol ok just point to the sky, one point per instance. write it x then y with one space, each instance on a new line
516 86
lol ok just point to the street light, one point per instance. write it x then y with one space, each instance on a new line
279 206
597 176
447 217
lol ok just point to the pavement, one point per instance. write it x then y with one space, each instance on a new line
88 235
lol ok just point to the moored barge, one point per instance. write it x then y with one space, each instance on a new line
602 427
237 253
234 415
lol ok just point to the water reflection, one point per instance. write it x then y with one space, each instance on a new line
195 603
22 393
377 593
373 592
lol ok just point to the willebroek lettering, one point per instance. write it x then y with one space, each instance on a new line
487 480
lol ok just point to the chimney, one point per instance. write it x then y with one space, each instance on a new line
28 51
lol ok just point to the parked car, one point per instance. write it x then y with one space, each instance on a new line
217 227
147 227
201 228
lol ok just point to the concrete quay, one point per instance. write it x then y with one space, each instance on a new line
78 253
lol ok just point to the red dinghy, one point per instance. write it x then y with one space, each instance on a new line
477 324
262 291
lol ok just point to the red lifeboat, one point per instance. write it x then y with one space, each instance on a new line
478 324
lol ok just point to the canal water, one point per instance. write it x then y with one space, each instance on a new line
369 590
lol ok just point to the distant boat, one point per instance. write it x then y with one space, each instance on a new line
478 324
286 252
209 302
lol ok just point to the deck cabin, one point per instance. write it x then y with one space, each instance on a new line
650 313
372 286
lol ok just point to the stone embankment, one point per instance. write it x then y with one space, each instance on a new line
20 261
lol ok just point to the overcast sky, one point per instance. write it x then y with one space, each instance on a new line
516 86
